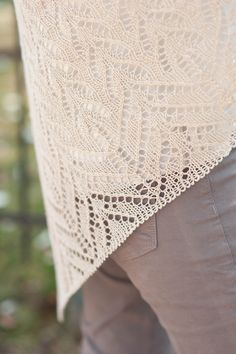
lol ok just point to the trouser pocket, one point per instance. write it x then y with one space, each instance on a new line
222 191
143 240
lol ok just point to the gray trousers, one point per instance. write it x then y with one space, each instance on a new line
170 288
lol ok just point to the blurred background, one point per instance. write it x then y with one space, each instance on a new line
28 322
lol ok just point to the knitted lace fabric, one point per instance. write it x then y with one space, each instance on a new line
131 102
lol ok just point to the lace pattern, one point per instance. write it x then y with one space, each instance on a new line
131 102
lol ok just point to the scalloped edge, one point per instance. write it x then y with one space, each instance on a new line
61 305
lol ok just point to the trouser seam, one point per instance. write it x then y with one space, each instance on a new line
220 221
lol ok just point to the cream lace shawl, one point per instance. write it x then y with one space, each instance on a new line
125 97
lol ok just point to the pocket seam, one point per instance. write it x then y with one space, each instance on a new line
219 218
148 245
156 231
